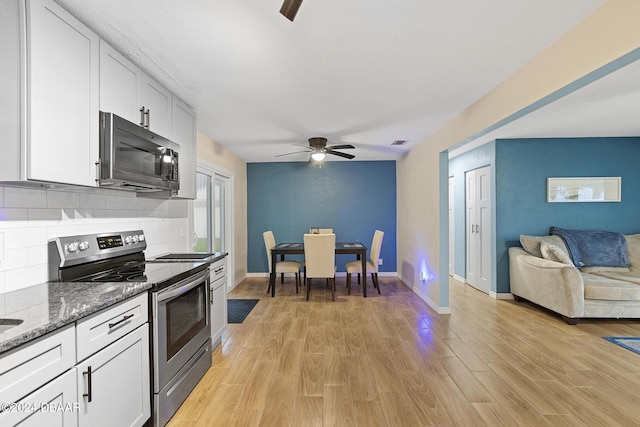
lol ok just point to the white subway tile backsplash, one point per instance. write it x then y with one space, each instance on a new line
38 255
45 215
93 201
33 216
15 258
25 197
24 277
135 204
14 214
117 202
62 199
24 237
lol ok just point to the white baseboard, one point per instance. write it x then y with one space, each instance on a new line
425 298
459 278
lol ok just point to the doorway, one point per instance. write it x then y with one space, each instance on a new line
212 218
478 228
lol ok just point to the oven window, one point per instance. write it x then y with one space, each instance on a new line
186 316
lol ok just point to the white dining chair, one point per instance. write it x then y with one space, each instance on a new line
282 267
321 231
320 260
372 262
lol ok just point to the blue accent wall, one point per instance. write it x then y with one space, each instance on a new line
354 198
522 168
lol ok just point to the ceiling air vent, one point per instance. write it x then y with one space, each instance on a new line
399 142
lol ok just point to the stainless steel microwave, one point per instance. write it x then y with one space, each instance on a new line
134 158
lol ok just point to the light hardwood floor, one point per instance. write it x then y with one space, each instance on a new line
389 360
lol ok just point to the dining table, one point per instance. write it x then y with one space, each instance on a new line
281 250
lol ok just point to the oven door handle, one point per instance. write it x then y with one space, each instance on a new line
181 287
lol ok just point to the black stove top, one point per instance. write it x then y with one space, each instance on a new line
187 256
158 275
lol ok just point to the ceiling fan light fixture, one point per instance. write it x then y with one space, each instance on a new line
290 8
318 156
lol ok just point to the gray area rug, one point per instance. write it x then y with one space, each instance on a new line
238 309
630 343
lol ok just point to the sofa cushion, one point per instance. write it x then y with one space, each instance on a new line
554 253
632 276
605 286
633 245
531 244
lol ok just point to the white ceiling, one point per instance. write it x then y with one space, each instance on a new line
363 72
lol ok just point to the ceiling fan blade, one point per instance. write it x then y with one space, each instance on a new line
341 147
290 8
305 146
288 154
338 153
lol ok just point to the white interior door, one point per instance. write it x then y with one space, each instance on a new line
478 195
452 228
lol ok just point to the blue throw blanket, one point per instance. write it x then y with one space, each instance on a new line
595 248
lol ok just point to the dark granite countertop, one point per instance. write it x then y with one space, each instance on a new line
49 306
185 256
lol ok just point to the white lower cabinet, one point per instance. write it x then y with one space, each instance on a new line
218 300
53 405
106 382
113 384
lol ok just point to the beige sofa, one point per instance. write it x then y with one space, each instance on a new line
541 271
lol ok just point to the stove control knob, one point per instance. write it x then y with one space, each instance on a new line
141 237
72 247
127 240
83 246
135 239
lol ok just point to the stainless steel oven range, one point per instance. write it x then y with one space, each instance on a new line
179 306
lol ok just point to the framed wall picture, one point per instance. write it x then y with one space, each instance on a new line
584 189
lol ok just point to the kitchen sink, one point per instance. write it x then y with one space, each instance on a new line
7 324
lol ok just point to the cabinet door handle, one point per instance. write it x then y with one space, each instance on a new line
124 319
148 115
210 296
88 394
142 116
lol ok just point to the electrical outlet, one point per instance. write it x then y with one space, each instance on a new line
379 261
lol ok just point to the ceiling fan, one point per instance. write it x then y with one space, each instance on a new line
318 149
290 8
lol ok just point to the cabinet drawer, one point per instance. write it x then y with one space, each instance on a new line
101 329
28 367
218 270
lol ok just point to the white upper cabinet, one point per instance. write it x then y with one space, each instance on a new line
120 85
62 90
184 133
128 92
156 101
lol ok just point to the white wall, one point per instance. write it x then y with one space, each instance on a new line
29 217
